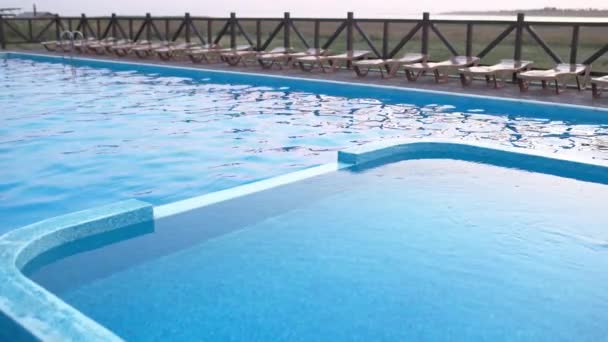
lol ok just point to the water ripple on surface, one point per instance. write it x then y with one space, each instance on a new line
72 140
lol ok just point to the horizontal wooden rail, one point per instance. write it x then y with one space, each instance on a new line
385 38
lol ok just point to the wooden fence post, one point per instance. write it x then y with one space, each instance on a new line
113 23
210 31
469 41
574 44
519 30
187 22
131 29
167 29
57 27
424 48
258 35
2 39
385 38
349 34
349 31
82 26
148 23
30 31
317 33
232 30
286 30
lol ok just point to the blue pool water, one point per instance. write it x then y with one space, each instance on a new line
418 250
74 137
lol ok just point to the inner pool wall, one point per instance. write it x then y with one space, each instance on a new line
568 166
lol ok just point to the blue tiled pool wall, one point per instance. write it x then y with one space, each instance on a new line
389 95
183 230
369 156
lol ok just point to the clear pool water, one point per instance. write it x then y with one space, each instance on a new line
419 250
74 137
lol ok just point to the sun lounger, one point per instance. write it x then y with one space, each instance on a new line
292 57
493 72
147 50
278 57
391 66
103 46
334 62
440 70
559 74
267 60
207 53
597 85
55 45
173 50
124 49
82 45
236 57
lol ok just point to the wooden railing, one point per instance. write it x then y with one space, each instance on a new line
544 42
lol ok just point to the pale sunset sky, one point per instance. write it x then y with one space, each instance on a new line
316 8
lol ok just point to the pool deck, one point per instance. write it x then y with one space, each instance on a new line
568 96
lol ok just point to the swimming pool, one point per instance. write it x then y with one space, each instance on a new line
488 224
86 133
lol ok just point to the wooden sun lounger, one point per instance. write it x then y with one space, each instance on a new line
173 50
334 62
311 52
122 50
440 70
82 45
278 57
597 85
237 55
147 50
391 66
242 56
267 60
559 74
54 45
103 46
207 53
493 72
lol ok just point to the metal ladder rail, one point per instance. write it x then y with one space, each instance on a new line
71 37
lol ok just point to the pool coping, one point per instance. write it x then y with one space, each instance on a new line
315 80
44 316
30 312
392 147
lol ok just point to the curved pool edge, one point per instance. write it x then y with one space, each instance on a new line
28 311
38 314
562 165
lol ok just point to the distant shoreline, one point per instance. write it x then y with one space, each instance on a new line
544 12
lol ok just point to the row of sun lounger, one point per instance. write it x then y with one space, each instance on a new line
413 65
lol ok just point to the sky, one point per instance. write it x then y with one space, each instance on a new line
307 8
